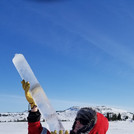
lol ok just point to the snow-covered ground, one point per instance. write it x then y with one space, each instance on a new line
118 127
9 121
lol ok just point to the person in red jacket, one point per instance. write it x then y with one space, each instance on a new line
87 120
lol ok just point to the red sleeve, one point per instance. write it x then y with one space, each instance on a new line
101 125
34 127
48 132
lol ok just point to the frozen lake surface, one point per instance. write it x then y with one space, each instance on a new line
117 127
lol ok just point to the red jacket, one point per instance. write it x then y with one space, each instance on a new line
101 125
34 125
34 128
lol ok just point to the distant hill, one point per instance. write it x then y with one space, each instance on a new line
68 114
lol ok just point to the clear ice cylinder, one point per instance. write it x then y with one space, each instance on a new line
37 93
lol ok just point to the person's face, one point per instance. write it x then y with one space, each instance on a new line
78 126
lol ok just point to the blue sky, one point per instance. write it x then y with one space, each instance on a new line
81 51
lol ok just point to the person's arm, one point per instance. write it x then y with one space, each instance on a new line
34 109
34 125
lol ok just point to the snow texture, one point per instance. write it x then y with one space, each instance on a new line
117 127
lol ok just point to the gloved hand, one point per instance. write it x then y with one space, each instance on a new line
60 132
26 87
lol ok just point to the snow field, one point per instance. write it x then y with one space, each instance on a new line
117 127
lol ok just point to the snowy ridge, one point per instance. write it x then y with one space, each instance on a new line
65 115
70 114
